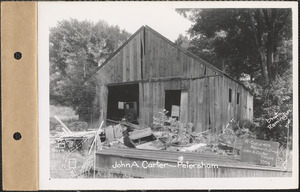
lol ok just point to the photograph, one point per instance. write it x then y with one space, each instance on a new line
166 90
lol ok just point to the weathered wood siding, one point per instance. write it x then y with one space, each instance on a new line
125 65
219 167
150 57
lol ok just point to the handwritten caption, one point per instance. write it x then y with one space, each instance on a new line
278 118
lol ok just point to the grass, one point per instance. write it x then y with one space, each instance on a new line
60 163
64 113
60 167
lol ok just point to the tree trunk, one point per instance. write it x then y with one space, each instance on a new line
264 65
257 34
270 59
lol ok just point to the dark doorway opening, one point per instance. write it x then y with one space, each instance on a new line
172 101
123 102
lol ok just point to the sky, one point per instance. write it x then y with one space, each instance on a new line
161 17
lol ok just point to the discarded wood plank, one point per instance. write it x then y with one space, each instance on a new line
125 123
96 135
65 128
109 133
219 166
193 147
140 133
153 145
118 131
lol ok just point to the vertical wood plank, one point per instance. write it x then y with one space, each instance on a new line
219 104
116 67
158 95
184 107
199 104
155 56
115 62
177 65
150 106
155 97
127 58
238 105
124 65
202 97
161 55
143 49
134 59
188 67
163 95
146 55
206 104
184 62
212 103
216 107
190 102
141 105
138 51
120 67
146 103
130 60
150 55
194 104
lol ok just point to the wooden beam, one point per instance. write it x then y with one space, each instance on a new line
161 79
192 157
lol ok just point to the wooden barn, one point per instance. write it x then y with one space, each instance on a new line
149 73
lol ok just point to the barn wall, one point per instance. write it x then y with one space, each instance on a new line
164 59
208 103
125 65
152 98
149 56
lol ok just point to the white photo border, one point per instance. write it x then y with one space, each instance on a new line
45 10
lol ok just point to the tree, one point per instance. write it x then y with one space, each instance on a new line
76 49
246 39
255 43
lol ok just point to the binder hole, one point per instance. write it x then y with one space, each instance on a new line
17 136
18 55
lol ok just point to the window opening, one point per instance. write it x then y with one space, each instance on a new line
123 102
172 103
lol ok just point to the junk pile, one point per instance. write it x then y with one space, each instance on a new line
124 135
167 133
72 140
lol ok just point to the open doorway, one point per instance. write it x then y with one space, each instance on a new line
172 103
123 102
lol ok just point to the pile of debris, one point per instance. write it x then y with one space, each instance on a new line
167 137
167 133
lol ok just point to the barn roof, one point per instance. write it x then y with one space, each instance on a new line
203 62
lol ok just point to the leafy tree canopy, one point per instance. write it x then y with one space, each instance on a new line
246 41
76 49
